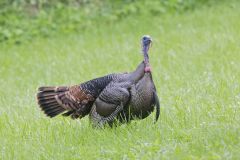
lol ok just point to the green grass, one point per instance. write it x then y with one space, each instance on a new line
196 68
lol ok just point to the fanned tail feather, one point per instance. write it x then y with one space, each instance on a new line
47 101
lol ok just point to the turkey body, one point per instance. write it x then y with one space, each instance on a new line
125 101
114 98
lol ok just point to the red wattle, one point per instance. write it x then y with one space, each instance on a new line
147 69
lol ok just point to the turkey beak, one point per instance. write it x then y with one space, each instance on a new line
151 43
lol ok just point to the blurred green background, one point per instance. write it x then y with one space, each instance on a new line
22 20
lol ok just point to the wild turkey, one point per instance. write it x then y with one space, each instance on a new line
76 101
114 99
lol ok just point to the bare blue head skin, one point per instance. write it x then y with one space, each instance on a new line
146 42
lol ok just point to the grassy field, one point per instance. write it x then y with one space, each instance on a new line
196 68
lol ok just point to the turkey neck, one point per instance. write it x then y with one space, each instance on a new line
143 67
136 75
147 70
145 49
